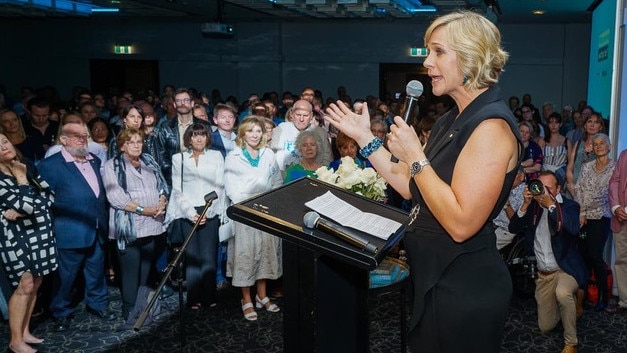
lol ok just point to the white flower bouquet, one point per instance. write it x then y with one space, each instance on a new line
366 182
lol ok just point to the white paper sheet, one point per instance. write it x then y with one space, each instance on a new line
348 215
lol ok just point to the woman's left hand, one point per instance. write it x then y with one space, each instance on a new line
163 201
582 221
12 215
403 142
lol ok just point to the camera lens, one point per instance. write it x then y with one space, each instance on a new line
535 187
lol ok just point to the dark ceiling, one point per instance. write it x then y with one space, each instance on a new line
234 11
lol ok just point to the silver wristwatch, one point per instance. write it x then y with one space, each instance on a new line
417 167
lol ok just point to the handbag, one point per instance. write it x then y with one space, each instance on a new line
176 231
226 230
176 228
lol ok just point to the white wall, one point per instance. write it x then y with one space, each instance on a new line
274 56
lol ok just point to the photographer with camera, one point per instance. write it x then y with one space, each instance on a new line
550 224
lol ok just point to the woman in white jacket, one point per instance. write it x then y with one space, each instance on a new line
196 172
253 256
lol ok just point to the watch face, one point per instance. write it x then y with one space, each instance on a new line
416 167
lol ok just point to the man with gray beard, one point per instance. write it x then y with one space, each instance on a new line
80 225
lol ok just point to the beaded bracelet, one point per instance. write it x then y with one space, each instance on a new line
371 147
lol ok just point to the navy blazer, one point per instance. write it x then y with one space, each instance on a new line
216 142
563 242
79 216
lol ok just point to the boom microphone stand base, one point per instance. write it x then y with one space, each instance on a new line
175 263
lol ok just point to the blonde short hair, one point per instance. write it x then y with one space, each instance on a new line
477 43
248 123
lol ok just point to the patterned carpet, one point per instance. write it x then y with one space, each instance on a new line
223 329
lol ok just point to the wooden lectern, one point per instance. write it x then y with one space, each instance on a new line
325 279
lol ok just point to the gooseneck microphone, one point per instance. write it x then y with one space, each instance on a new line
313 220
410 108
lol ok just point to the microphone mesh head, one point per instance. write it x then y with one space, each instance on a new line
414 88
310 219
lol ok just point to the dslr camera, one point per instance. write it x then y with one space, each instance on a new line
535 187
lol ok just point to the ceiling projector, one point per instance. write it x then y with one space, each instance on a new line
216 30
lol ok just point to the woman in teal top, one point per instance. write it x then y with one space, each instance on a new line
309 148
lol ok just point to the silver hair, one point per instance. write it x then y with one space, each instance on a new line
603 136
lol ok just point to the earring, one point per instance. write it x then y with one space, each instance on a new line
466 78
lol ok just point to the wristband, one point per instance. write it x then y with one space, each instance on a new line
371 147
139 210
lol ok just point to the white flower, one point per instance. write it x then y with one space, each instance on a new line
347 167
368 176
326 174
366 182
347 181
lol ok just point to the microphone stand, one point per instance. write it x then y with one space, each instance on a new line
168 271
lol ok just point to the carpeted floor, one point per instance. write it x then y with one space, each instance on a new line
223 329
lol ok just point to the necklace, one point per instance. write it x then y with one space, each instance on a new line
253 161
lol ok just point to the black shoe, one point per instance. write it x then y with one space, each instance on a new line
105 313
61 324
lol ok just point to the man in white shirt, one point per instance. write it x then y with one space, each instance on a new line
284 135
550 224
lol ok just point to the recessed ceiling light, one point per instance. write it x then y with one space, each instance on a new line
538 12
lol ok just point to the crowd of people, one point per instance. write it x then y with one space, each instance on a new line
91 187
584 193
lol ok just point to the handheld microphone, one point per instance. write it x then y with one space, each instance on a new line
313 220
410 108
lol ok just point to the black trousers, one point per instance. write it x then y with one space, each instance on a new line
592 245
136 263
201 261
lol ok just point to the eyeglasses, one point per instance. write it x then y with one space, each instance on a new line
183 100
78 136
526 111
134 143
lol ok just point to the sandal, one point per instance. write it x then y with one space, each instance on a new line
271 307
250 316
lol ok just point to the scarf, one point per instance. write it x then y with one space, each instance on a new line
123 220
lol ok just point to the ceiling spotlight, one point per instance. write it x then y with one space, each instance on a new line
538 12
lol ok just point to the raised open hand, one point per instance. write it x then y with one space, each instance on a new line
354 125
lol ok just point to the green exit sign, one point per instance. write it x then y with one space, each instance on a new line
419 52
123 49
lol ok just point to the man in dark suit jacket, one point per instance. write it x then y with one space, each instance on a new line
224 116
80 225
183 102
550 224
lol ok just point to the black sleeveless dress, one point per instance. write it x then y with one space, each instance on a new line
461 290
